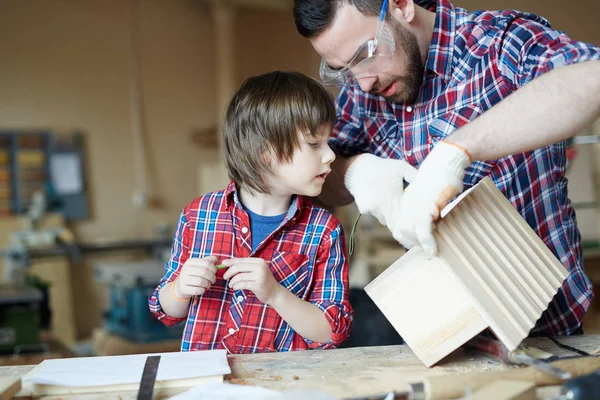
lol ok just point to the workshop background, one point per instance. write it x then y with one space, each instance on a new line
109 125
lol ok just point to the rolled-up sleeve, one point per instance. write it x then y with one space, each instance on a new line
330 293
348 137
531 48
179 254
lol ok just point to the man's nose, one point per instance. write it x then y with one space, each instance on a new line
366 83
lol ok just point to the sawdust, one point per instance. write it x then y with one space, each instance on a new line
239 381
272 378
244 381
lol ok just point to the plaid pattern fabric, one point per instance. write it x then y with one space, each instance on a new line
475 60
306 254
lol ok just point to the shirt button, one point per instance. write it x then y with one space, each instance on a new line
377 137
409 153
244 230
408 108
231 331
240 298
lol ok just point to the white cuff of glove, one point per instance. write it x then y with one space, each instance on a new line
439 180
376 184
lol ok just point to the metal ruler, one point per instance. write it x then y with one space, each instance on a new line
148 378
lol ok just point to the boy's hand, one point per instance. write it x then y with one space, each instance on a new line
255 275
197 275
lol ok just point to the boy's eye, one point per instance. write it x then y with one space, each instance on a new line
315 144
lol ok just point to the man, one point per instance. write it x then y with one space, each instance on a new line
461 96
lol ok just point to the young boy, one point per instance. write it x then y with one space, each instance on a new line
285 285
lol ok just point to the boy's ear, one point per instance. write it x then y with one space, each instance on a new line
402 9
269 158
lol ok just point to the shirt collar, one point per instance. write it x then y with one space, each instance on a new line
232 198
441 50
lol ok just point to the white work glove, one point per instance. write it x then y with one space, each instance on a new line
439 180
377 186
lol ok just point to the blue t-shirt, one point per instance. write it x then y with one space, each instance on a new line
262 226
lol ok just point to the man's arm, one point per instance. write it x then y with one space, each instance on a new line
555 81
551 108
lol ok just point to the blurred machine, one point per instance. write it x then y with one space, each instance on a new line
20 319
24 309
131 284
24 298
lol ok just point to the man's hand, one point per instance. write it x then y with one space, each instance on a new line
377 186
255 275
196 276
439 180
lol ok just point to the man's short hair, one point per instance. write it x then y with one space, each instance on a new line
263 119
312 17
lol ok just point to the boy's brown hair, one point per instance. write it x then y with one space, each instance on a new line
263 118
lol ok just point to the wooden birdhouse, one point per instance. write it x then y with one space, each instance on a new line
492 271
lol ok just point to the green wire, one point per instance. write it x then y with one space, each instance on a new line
350 247
352 234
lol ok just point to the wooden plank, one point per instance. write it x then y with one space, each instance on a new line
451 387
426 305
350 372
9 386
506 390
588 343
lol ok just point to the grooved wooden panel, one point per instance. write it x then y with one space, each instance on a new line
509 273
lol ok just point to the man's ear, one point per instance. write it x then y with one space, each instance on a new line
403 9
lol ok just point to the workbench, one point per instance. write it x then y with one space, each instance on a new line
350 372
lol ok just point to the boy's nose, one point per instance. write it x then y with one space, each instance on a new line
329 156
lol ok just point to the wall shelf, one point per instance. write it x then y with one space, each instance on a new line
32 161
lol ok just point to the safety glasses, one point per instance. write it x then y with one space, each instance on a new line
372 58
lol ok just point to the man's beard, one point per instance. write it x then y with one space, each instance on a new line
409 84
